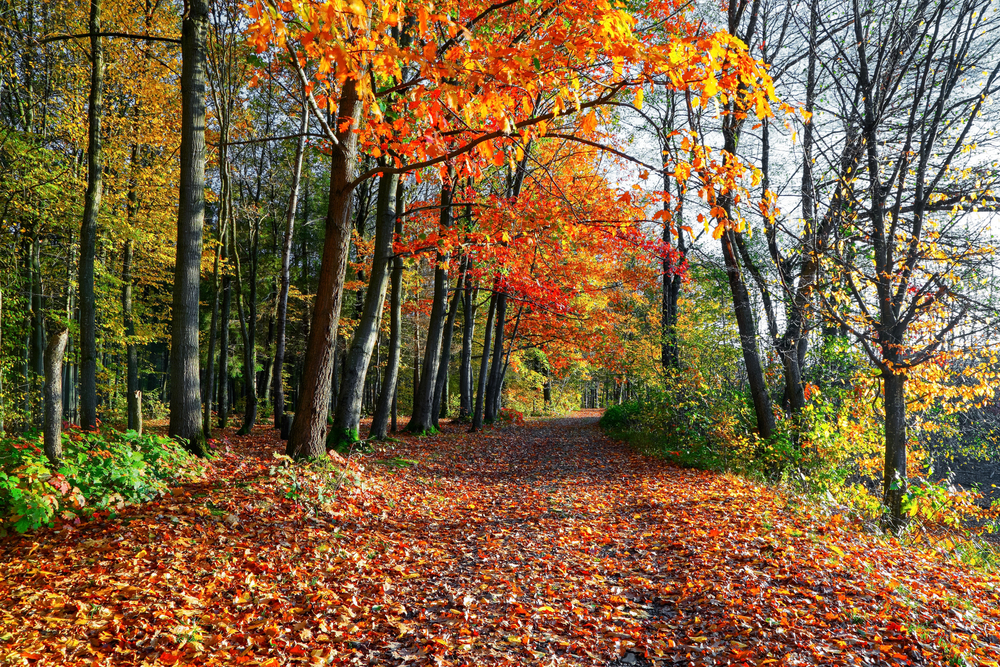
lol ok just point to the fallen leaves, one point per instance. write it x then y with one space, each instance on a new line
546 544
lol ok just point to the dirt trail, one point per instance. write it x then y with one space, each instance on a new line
546 544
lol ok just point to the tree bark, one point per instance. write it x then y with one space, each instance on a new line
422 419
134 418
185 390
386 404
465 365
54 352
213 331
88 229
227 306
278 391
131 350
496 365
306 439
349 401
671 287
748 337
477 416
503 369
247 316
35 359
894 480
440 408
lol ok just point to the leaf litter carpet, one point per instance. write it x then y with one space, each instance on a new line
541 545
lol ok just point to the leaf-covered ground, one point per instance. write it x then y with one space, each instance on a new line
540 545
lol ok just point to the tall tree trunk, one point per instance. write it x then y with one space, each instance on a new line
247 329
416 356
496 365
69 371
348 414
440 408
88 230
52 427
741 298
227 306
503 370
669 350
185 391
547 388
477 416
264 385
36 336
278 391
422 419
748 337
792 346
894 480
306 439
131 349
465 365
213 328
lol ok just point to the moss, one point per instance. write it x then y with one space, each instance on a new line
197 445
341 440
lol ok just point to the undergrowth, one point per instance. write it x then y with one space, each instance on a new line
99 472
830 456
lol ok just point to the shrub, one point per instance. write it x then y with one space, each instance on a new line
508 416
311 484
622 416
99 471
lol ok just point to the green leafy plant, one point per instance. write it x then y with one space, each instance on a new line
98 471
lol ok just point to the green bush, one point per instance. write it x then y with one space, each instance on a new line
98 471
622 416
711 426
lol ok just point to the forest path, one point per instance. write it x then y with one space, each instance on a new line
547 544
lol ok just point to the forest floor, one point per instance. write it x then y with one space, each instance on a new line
547 544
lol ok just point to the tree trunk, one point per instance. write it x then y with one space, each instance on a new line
35 367
386 405
88 230
264 384
498 394
894 480
748 337
465 365
671 287
349 400
131 350
416 357
496 365
213 331
440 408
477 417
185 392
227 306
306 439
278 391
422 419
247 318
54 352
